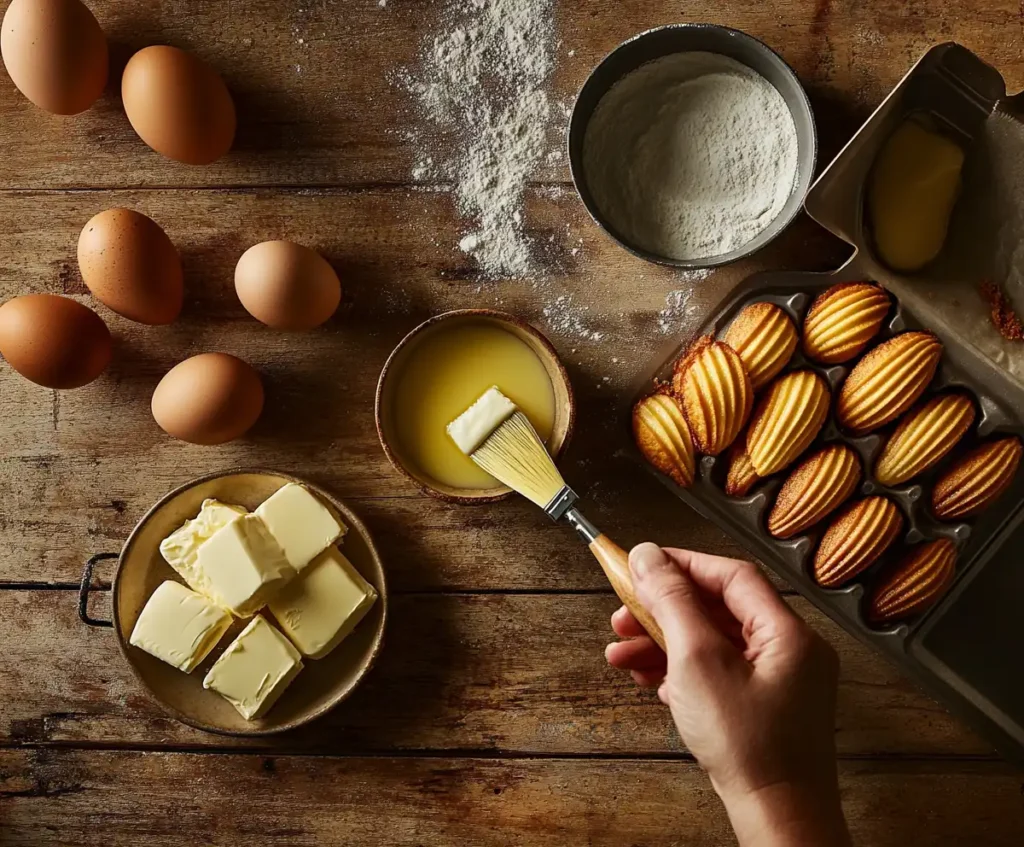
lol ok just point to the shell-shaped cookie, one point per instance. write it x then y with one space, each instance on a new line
663 437
714 388
887 381
843 320
915 583
860 534
765 338
788 417
819 485
741 476
923 437
977 479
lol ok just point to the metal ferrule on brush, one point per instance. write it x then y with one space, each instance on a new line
563 505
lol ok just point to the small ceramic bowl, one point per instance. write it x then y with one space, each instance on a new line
320 686
565 403
683 38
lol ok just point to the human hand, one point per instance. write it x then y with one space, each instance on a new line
751 689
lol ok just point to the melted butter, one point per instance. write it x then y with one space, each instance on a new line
914 186
443 375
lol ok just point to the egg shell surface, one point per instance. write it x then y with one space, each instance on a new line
211 398
178 105
54 341
56 54
287 285
131 266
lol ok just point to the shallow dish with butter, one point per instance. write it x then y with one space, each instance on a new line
439 369
327 675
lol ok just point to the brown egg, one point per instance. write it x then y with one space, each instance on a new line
56 54
178 105
208 399
54 341
131 266
286 285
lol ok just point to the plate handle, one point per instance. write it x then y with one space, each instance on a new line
83 591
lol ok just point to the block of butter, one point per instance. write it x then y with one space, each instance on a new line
914 185
302 525
179 626
242 566
181 547
255 669
323 604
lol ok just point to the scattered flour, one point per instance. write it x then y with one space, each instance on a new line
677 304
565 317
692 155
482 83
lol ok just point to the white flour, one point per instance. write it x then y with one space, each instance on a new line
677 304
691 156
566 317
482 83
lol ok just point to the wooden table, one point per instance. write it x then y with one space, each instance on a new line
491 717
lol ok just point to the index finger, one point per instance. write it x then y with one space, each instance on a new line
747 594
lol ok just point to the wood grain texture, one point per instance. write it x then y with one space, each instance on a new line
320 103
81 467
501 673
450 740
110 799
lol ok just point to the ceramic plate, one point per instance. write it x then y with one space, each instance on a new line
322 684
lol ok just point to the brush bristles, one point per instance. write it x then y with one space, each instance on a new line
515 455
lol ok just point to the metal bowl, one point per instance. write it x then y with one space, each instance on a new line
682 38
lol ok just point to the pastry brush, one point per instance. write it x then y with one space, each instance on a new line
496 435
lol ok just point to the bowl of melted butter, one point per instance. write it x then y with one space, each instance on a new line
438 371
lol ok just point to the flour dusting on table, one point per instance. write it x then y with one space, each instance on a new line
482 82
566 317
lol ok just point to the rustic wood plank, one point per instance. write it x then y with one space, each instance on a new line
81 467
318 105
108 799
462 674
502 673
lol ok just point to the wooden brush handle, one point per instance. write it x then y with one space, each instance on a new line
615 564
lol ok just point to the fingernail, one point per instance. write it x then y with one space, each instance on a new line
646 558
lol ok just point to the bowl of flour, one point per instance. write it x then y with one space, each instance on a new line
692 145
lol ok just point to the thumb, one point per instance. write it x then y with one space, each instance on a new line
671 598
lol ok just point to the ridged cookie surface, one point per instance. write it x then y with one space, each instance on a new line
741 476
819 485
713 386
916 582
765 338
661 433
923 437
788 417
860 534
975 481
887 381
843 320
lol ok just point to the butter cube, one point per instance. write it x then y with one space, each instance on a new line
255 669
302 525
179 626
180 549
914 186
242 566
323 604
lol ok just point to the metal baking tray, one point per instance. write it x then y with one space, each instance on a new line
962 649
